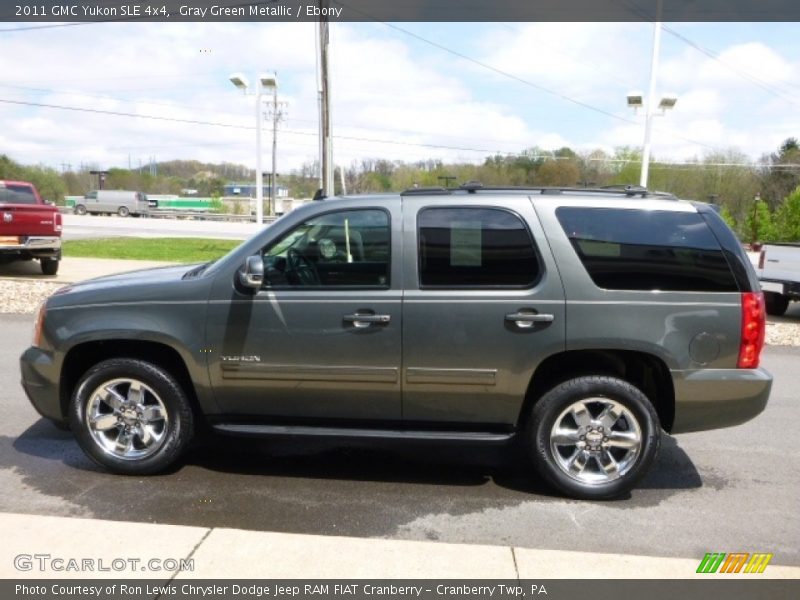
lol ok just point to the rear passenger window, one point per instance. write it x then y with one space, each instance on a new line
475 247
628 249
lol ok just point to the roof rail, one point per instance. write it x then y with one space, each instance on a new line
426 191
472 187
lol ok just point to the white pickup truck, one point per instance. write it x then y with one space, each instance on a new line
778 270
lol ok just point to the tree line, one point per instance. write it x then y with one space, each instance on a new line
759 199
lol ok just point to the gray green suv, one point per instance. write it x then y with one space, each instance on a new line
580 323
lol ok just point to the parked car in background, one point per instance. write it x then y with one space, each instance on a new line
580 323
778 270
29 227
121 202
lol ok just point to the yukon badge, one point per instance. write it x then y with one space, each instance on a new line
251 358
7 217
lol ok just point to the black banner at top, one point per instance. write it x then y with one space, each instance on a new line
399 10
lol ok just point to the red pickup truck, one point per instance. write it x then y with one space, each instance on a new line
29 227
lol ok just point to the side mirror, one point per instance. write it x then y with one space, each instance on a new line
251 275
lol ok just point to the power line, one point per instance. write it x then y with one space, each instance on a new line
209 109
522 153
506 73
524 81
123 114
233 126
742 73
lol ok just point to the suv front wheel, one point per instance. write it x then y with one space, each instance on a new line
131 417
593 437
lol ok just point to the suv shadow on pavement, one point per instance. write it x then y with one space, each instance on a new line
260 477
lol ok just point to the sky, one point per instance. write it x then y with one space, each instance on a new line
400 91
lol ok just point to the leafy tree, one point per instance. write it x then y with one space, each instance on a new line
759 226
9 169
559 173
780 176
48 181
787 218
727 217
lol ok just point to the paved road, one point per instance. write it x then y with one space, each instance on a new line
728 490
86 227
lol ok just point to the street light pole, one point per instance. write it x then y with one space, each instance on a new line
263 81
648 119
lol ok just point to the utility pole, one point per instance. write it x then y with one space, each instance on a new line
277 114
275 117
326 158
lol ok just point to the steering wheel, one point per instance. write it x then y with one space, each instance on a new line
300 269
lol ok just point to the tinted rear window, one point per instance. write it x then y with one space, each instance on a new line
17 194
627 249
468 247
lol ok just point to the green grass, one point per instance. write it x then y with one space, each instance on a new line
186 250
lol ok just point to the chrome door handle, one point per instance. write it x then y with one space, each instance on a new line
365 320
527 319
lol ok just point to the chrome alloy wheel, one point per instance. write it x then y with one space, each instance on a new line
126 419
596 440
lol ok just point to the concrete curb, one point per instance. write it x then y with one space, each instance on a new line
232 553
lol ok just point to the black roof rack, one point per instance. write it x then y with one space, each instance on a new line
472 187
629 189
425 191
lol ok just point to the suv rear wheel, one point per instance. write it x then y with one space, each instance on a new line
593 437
131 416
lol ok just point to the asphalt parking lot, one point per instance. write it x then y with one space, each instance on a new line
722 491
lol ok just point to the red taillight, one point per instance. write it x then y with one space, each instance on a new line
761 256
57 223
753 324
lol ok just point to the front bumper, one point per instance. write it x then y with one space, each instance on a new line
41 383
715 398
33 246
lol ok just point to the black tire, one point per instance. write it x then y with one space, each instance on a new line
49 265
80 209
553 406
123 211
776 304
60 425
176 430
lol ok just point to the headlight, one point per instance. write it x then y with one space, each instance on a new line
38 324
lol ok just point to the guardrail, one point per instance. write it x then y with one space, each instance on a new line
189 215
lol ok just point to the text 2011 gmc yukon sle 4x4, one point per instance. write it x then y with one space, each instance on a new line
580 323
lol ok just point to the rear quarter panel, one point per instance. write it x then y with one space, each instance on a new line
664 324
